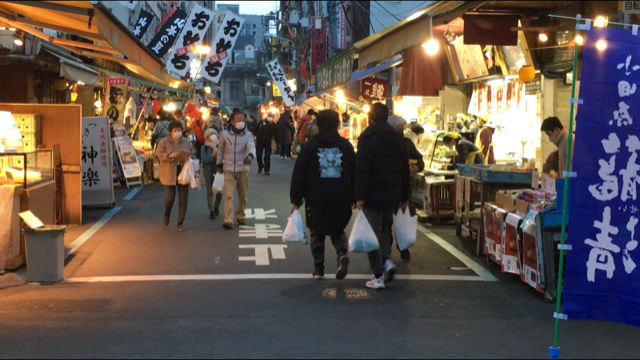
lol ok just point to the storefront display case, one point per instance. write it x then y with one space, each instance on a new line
27 168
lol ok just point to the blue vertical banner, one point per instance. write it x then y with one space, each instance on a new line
603 268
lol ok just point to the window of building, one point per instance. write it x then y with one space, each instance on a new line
248 26
234 90
254 26
254 33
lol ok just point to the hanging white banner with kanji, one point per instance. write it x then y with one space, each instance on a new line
191 36
281 82
221 48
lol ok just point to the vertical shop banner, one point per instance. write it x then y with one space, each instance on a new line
190 38
373 89
168 33
115 98
281 82
127 156
221 47
603 279
142 25
97 179
318 43
343 28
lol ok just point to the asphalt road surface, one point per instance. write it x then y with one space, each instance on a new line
137 289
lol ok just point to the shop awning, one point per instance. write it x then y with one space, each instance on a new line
75 71
411 32
225 110
359 75
113 40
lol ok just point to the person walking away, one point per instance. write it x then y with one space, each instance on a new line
198 132
285 124
209 155
311 130
161 130
484 142
468 152
382 185
214 121
173 151
324 179
236 152
416 165
267 130
559 136
302 128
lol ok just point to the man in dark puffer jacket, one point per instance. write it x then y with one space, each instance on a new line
382 185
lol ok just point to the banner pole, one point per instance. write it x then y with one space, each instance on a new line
554 351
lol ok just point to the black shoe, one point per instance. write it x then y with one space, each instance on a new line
260 171
227 226
212 215
405 255
343 267
217 211
242 222
165 220
180 228
318 273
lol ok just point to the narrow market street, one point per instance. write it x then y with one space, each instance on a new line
138 289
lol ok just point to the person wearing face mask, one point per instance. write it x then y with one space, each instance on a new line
209 154
236 152
559 136
267 130
173 151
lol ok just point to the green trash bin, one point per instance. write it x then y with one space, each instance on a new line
45 253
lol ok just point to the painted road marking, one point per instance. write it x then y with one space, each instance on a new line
470 263
262 253
132 193
260 214
73 247
261 231
222 277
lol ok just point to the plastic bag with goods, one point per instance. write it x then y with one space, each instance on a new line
218 184
294 232
406 228
190 174
362 239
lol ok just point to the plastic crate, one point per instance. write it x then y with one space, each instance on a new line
465 170
506 177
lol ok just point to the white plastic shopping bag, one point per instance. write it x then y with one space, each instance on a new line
294 232
406 227
218 184
362 239
196 182
186 174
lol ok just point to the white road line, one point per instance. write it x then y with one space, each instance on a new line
221 277
470 263
132 193
73 247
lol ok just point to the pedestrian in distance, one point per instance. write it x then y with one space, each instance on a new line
267 130
209 154
324 180
382 185
302 126
173 151
236 152
285 124
214 121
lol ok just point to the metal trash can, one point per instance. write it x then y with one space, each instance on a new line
45 253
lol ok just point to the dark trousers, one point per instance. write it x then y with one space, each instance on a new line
381 223
264 163
285 151
317 246
170 198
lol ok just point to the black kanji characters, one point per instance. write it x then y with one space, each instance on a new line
232 28
223 45
200 21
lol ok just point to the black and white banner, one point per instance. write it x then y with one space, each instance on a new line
190 38
221 47
143 24
168 33
280 80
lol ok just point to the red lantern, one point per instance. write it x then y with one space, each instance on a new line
191 110
155 107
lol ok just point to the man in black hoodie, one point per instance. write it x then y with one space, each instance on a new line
267 130
382 185
324 177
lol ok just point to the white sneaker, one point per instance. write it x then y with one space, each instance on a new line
376 283
389 271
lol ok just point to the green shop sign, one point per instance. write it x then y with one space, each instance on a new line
336 71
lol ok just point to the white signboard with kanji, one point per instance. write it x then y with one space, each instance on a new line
280 80
221 48
631 7
192 35
97 179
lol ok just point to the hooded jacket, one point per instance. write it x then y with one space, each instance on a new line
233 148
302 127
383 173
324 178
285 124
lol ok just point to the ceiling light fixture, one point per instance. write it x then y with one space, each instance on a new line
18 38
431 46
543 37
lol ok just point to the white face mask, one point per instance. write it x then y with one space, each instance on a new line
240 125
213 139
554 138
176 135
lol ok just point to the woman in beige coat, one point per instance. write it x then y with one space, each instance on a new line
173 151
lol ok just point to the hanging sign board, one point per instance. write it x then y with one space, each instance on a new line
190 38
631 7
127 156
115 98
97 179
281 82
276 91
373 89
603 272
221 47
336 71
318 43
168 33
142 25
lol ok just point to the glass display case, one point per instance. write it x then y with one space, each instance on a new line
435 154
26 168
